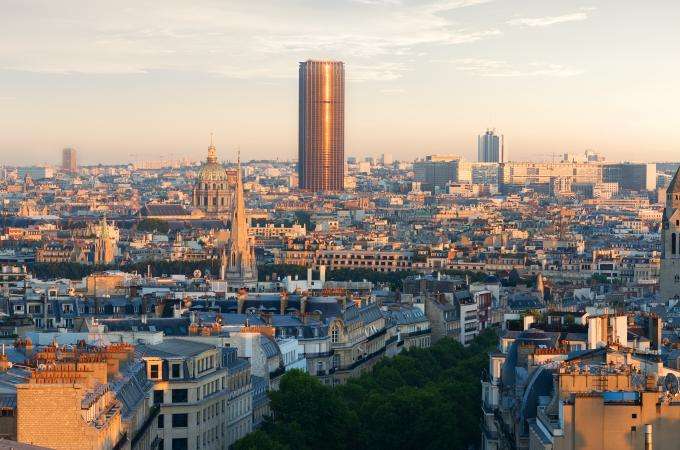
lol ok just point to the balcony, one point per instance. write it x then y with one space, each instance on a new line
417 333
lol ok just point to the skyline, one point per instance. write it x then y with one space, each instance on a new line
422 77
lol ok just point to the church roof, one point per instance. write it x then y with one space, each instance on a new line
675 183
212 170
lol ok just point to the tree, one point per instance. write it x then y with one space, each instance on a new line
153 225
420 399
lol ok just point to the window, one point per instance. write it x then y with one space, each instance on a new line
157 397
180 420
633 429
161 421
335 334
634 416
180 395
180 444
175 370
674 244
154 371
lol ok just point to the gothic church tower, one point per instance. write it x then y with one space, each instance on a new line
669 276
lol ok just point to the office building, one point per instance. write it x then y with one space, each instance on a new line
35 172
68 160
631 176
322 126
490 147
440 170
540 176
484 173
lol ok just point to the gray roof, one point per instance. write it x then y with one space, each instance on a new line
177 347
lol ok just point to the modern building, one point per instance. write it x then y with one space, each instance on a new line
440 170
669 277
490 147
484 173
35 172
540 175
213 190
631 176
68 160
322 126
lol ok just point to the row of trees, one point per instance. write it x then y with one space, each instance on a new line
75 271
420 399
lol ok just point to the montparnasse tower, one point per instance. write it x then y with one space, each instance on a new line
239 267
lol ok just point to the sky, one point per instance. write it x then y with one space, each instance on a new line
141 79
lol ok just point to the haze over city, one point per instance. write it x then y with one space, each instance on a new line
132 78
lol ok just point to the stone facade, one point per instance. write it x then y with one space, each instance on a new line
669 277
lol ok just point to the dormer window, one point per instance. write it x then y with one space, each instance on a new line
176 370
154 371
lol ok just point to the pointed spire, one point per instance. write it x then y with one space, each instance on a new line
212 151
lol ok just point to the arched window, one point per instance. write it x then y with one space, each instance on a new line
674 244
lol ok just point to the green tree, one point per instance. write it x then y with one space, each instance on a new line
153 225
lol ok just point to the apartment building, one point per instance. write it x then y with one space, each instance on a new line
191 388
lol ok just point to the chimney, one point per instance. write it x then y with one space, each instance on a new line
309 278
648 437
303 305
283 302
322 274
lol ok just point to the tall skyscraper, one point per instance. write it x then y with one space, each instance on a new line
321 140
490 147
68 160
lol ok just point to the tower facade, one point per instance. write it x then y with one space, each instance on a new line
68 160
490 147
239 267
669 277
213 190
321 138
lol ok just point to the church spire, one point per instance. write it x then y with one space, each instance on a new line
212 151
240 262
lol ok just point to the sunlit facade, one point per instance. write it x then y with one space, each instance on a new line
322 126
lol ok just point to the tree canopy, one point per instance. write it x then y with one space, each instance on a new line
420 399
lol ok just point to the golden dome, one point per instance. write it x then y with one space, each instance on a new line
212 170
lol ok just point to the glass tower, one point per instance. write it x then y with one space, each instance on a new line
321 144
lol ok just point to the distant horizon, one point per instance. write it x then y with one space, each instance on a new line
198 161
423 77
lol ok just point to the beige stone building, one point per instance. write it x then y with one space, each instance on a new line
539 396
669 276
203 392
84 398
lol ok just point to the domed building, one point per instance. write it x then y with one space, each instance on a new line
214 189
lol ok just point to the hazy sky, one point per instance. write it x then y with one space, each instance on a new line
116 78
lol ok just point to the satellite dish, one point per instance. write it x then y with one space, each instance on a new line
671 383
